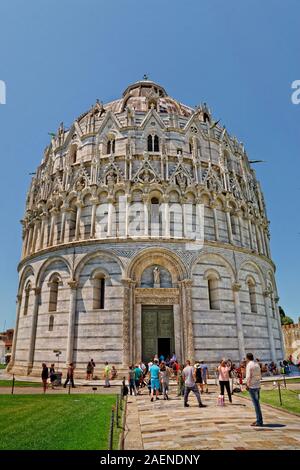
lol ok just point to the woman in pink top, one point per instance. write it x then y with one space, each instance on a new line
224 370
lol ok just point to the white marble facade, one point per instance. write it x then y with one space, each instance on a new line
140 183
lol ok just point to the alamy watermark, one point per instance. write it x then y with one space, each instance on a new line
2 92
166 220
296 94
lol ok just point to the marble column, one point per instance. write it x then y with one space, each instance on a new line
30 360
276 300
41 243
262 240
146 218
266 295
28 250
259 247
38 234
214 209
71 321
110 220
250 234
229 228
238 318
78 217
127 305
52 225
63 225
166 218
186 289
13 349
240 219
94 202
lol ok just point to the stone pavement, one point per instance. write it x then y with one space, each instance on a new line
167 425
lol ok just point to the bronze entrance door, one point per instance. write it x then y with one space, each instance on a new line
157 331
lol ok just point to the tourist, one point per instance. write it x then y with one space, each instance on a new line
175 368
198 376
89 370
124 389
70 375
161 358
131 380
154 379
180 382
205 374
143 368
164 379
138 375
113 373
173 358
253 378
45 375
52 375
93 367
188 374
224 370
106 375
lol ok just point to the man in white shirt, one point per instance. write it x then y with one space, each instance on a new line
253 378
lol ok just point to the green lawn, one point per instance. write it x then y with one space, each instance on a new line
8 383
50 422
2 366
290 400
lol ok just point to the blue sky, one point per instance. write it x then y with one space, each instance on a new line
57 58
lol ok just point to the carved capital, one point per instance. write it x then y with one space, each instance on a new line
73 284
186 282
127 282
236 287
267 293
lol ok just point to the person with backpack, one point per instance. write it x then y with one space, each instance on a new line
188 374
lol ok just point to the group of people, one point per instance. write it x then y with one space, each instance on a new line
193 378
157 373
51 373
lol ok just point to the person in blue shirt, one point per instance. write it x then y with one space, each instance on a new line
154 379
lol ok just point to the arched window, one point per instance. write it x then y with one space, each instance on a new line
213 291
149 145
191 147
153 143
53 293
252 295
98 291
51 323
73 154
110 146
206 117
233 224
155 218
27 294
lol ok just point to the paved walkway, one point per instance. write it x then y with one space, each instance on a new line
168 425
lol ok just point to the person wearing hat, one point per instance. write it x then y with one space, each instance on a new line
198 376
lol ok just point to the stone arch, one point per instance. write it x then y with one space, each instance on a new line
100 271
157 256
219 258
211 273
256 267
26 273
47 264
96 254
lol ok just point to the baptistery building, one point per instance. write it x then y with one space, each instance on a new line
145 232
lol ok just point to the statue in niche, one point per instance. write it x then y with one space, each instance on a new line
156 277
